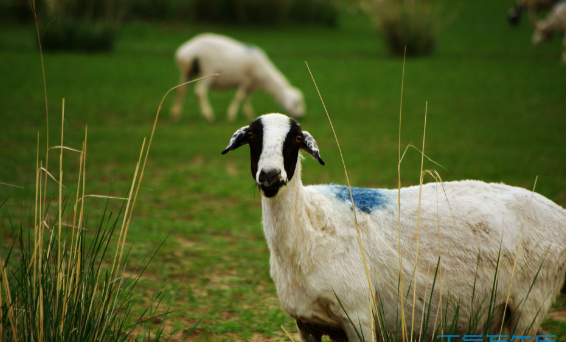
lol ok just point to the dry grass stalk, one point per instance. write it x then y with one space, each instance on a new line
12 185
403 324
519 244
418 227
372 296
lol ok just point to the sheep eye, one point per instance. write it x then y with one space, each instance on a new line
299 139
250 135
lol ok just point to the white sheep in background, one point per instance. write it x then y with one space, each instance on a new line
314 247
245 67
554 22
532 6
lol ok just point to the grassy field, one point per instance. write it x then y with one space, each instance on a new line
496 112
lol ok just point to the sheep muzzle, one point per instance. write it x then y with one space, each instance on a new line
270 181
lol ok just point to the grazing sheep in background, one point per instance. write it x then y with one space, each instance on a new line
554 22
315 254
242 66
532 6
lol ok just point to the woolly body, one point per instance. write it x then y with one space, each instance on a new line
473 226
241 66
532 6
555 22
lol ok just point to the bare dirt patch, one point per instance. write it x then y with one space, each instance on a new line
559 315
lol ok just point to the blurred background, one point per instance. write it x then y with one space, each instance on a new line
496 112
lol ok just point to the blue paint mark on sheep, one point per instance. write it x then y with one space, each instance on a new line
250 48
365 199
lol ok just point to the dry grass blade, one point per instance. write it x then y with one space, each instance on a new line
386 282
64 148
9 302
34 11
15 186
48 174
418 227
287 333
403 323
421 152
523 229
155 125
103 196
128 213
59 266
370 288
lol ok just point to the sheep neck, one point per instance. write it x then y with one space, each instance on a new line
273 81
285 225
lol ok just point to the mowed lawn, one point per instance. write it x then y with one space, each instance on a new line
496 112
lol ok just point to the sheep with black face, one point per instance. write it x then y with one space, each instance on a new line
474 227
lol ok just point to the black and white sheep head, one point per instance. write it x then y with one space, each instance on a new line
275 141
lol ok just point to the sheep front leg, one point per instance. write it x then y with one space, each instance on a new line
564 49
362 329
248 109
178 105
241 95
307 334
201 90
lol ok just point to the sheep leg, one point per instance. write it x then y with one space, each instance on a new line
362 328
201 91
528 316
564 49
308 334
249 110
241 95
178 105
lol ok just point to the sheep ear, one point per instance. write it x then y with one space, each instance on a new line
309 145
238 139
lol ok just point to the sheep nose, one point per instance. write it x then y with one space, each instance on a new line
269 176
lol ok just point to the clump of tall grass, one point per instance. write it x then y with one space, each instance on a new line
62 280
80 35
83 25
268 13
321 12
410 24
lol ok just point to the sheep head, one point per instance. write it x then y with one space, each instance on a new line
543 32
275 141
292 100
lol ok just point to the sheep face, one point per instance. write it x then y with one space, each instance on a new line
275 141
293 102
542 33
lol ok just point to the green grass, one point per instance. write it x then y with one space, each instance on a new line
496 112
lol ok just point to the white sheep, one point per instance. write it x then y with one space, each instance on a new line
554 22
532 6
315 256
245 67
